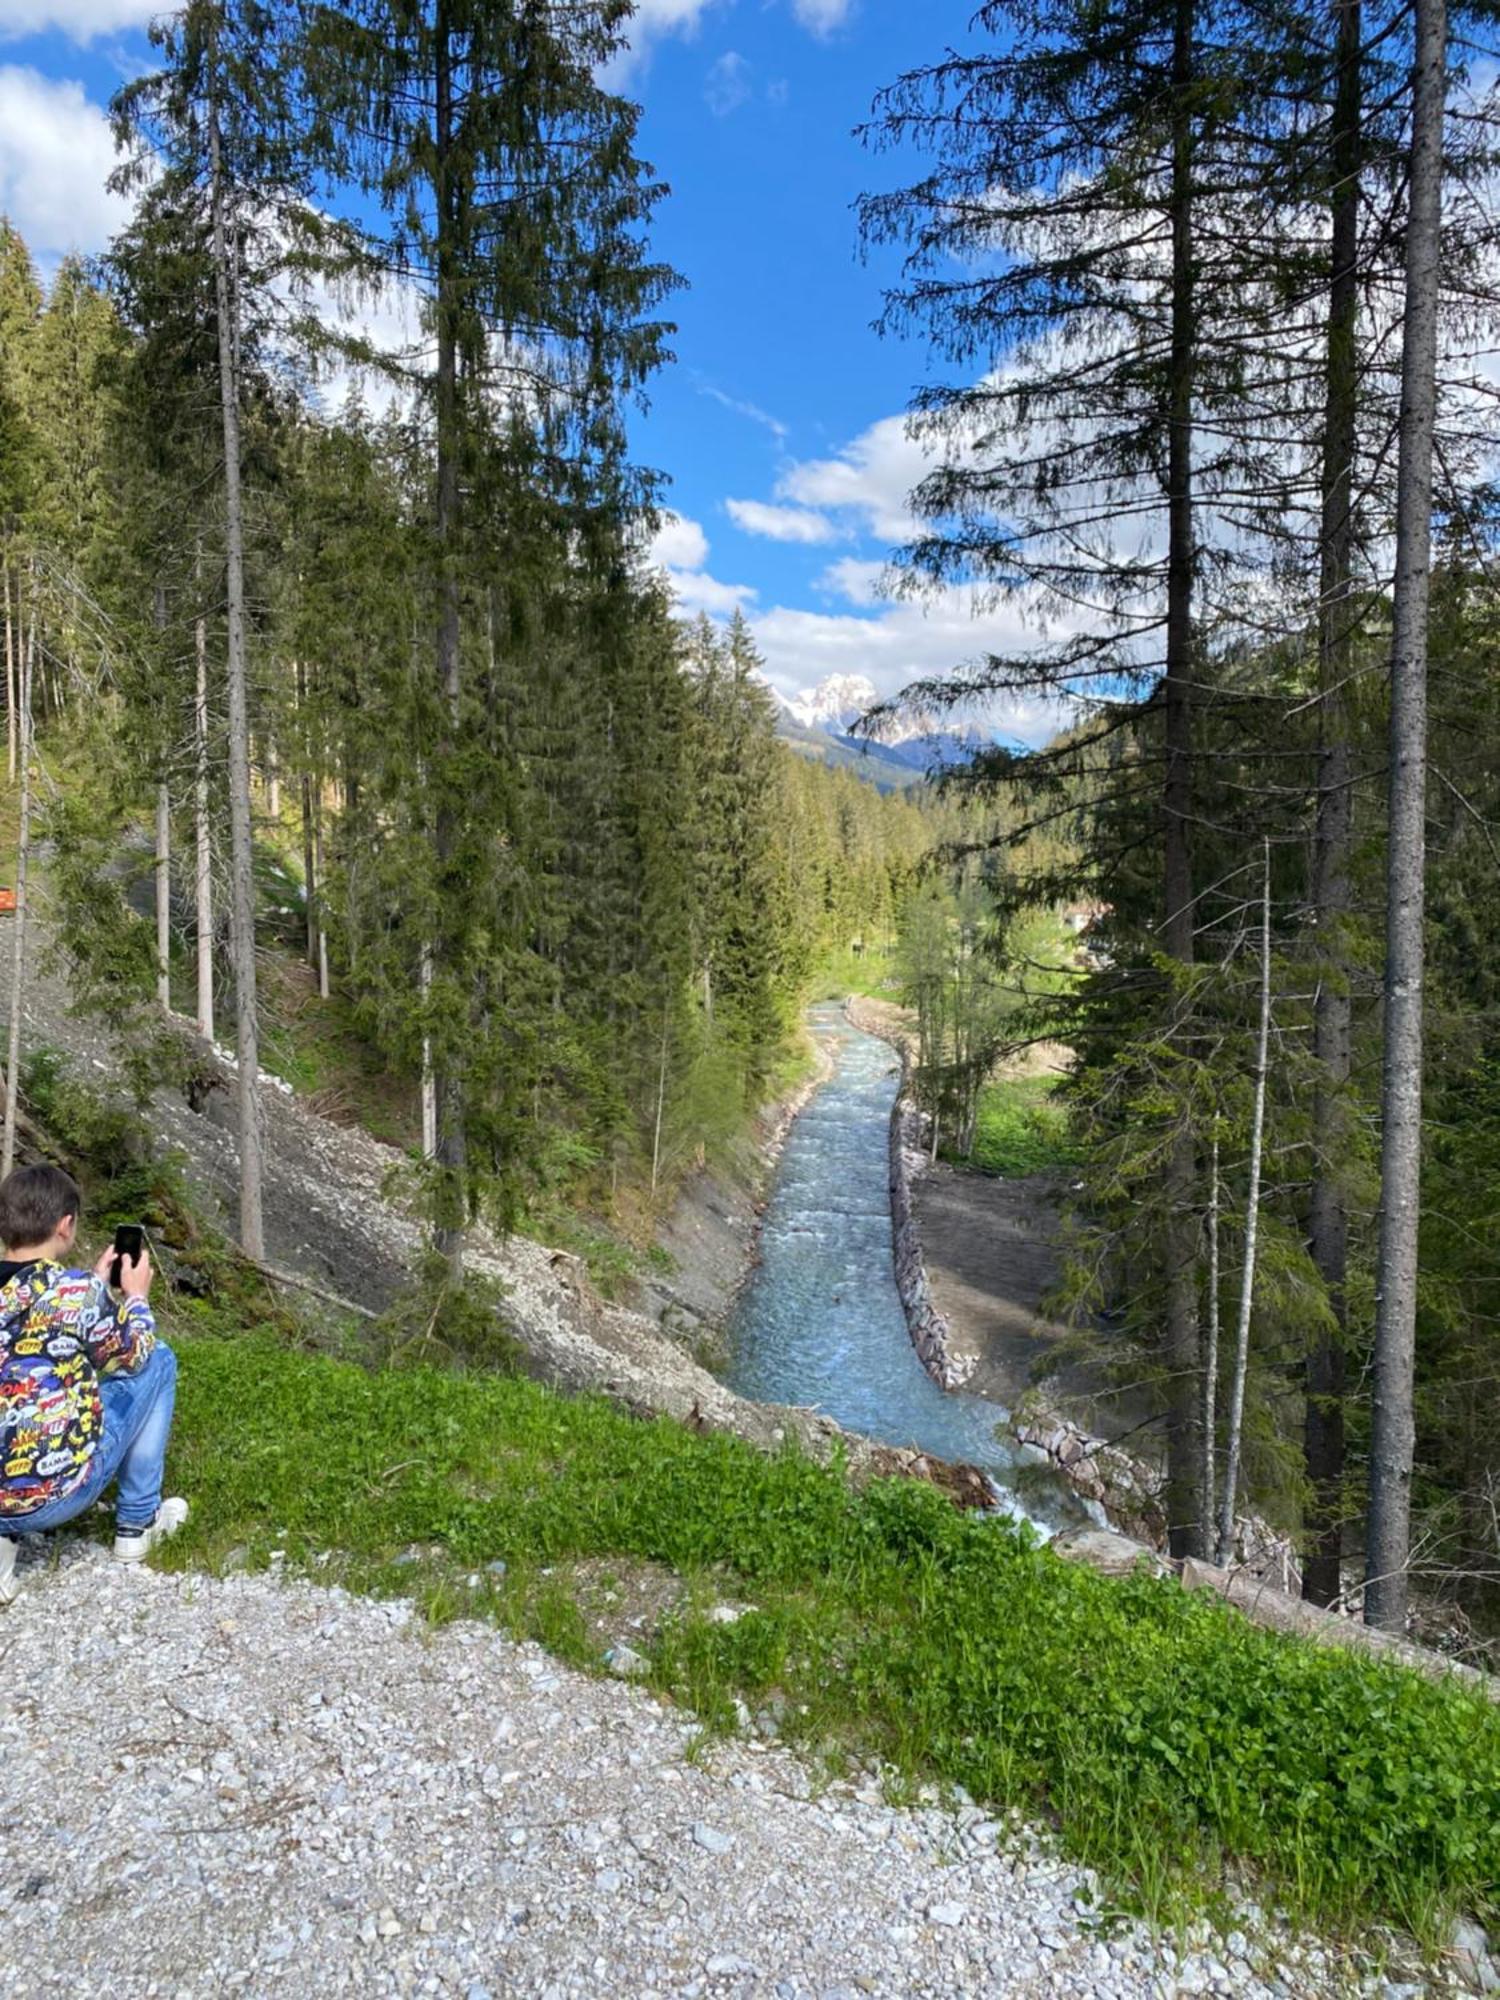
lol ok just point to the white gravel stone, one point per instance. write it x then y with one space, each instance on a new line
251 1786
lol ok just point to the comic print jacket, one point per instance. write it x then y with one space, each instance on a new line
60 1331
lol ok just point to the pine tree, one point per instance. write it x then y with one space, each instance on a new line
219 118
514 200
1079 227
1392 1442
20 310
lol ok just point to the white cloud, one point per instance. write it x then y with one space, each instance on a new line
781 524
727 85
856 581
678 543
871 477
680 549
752 411
822 16
907 641
82 21
652 21
56 152
901 641
696 590
667 17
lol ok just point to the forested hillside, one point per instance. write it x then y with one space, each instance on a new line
1214 300
583 914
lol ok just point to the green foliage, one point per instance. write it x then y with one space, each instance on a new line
1168 1738
438 1319
105 1143
1022 1128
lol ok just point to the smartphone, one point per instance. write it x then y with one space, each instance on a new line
130 1241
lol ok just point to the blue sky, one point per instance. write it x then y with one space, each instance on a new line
780 424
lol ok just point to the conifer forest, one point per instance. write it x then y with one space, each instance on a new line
337 664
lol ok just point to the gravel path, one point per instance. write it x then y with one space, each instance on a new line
241 1786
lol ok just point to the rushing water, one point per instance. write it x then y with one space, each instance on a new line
821 1321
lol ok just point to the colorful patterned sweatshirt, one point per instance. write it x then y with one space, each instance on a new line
60 1331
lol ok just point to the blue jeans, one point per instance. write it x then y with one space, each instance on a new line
132 1450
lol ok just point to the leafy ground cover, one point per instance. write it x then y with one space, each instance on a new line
1165 1738
1021 1129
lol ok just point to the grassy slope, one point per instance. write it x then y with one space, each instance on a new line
1021 1128
1163 1734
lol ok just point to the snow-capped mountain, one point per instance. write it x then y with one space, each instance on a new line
835 704
817 723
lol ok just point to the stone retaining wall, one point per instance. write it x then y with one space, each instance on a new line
927 1325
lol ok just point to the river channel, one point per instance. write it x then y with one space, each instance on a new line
821 1322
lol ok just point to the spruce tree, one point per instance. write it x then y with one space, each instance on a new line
1075 246
219 124
513 199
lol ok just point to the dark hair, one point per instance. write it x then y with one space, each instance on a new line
33 1201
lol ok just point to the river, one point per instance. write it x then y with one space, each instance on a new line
820 1321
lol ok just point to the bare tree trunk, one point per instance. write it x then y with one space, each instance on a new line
1393 1424
1327 1221
452 1140
661 1097
11 688
1211 1330
203 869
1252 1232
429 1080
309 822
1189 1508
18 938
241 834
323 985
164 898
310 866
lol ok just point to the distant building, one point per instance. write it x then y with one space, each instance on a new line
1077 917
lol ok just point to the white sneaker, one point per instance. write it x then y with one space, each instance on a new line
135 1547
10 1590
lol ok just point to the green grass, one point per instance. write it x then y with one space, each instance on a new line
868 972
1165 1738
1021 1129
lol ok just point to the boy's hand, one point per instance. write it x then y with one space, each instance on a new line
135 1279
104 1265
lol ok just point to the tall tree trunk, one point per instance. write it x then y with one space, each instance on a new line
241 834
1328 1222
452 1144
661 1095
1252 1232
164 898
203 860
163 870
310 876
429 1080
1211 1328
11 679
18 937
318 862
1188 1506
1393 1424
